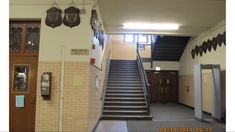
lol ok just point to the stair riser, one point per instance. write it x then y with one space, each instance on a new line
123 68
124 82
136 100
113 108
124 85
124 74
124 79
124 104
126 118
124 92
125 113
124 96
124 89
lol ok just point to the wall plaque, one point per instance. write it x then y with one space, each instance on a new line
79 52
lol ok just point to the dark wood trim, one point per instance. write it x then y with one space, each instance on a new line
16 20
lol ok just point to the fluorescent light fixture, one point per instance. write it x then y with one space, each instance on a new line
151 26
158 68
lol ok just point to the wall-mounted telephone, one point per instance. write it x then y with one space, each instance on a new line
46 85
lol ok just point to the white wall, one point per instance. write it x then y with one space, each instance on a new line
214 57
164 65
52 40
186 69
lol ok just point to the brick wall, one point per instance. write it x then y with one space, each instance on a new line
75 113
95 102
47 111
75 108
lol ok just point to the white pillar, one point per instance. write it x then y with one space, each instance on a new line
216 92
198 91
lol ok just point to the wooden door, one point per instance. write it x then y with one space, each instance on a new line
164 91
173 79
170 87
164 86
154 78
22 93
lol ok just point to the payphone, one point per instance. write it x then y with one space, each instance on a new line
46 85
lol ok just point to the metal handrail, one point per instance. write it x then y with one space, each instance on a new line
144 80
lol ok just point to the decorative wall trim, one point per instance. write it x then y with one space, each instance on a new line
209 44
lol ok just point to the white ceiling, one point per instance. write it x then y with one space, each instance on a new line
194 16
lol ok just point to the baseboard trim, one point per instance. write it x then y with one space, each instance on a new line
97 123
205 112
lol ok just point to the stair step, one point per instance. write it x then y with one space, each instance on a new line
123 81
124 99
123 95
127 107
122 84
124 103
124 87
128 62
123 70
123 76
124 67
126 91
127 117
125 112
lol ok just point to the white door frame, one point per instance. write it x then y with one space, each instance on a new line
216 90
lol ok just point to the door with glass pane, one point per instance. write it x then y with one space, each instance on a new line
24 47
23 80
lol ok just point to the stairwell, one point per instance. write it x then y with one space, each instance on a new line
124 97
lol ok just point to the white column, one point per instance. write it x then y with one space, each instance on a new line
216 92
198 91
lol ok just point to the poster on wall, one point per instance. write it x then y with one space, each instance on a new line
97 52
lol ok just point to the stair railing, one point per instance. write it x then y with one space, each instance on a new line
144 80
102 98
153 44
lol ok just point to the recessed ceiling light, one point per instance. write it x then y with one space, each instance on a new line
151 26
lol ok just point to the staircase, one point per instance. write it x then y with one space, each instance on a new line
124 97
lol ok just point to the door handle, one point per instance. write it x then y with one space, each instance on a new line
162 90
167 81
166 89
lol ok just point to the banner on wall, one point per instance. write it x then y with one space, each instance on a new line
97 52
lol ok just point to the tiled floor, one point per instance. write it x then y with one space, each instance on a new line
164 116
112 126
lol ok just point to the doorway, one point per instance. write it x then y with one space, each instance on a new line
23 67
164 86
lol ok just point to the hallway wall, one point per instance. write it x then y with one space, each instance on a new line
95 93
186 72
72 72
